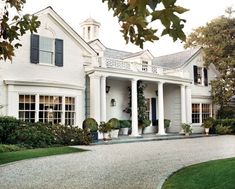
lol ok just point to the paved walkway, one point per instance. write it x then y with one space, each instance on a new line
133 165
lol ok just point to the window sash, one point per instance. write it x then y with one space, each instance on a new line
46 49
145 66
69 110
26 106
200 112
195 113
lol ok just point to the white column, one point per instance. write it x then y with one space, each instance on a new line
103 98
37 107
183 104
134 108
78 112
161 130
63 111
95 97
188 104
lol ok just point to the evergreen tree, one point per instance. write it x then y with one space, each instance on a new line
143 120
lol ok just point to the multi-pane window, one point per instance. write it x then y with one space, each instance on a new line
199 75
205 111
195 113
27 108
46 50
200 112
145 66
50 109
69 110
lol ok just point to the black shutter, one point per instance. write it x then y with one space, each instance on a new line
195 74
205 77
34 49
59 52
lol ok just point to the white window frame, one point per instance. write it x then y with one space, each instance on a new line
63 111
201 117
145 64
52 51
29 110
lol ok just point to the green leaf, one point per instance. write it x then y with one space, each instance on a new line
179 9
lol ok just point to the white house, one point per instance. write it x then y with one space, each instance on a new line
60 77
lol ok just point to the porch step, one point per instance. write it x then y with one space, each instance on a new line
149 137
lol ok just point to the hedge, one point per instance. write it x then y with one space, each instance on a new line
35 135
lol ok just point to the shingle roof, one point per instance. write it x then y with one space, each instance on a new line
175 60
116 54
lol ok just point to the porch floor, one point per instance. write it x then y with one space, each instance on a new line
149 137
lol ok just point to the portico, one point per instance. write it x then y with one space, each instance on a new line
119 81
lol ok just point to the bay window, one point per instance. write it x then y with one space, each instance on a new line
50 109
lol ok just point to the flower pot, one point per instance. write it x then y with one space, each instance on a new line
140 130
186 134
106 136
94 137
114 133
124 131
207 131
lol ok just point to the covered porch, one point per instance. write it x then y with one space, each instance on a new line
166 91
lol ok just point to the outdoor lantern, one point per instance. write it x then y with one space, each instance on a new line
156 92
107 89
113 102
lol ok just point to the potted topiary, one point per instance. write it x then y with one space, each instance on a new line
115 125
91 126
105 128
166 124
125 125
142 124
186 128
207 124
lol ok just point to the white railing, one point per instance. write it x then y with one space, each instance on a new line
131 66
139 67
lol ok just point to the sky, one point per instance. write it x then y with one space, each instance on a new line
76 11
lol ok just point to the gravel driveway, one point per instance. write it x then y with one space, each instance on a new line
132 165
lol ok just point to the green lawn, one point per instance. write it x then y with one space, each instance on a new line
7 157
219 174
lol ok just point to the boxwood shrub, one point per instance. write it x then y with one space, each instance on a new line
35 135
7 127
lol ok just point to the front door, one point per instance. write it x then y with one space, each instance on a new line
153 110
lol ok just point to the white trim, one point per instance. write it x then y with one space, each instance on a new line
43 84
49 11
141 75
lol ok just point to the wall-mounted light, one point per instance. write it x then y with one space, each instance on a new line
107 89
156 92
113 102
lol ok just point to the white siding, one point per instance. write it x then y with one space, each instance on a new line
119 92
172 106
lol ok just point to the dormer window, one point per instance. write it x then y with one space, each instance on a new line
145 66
200 75
89 32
